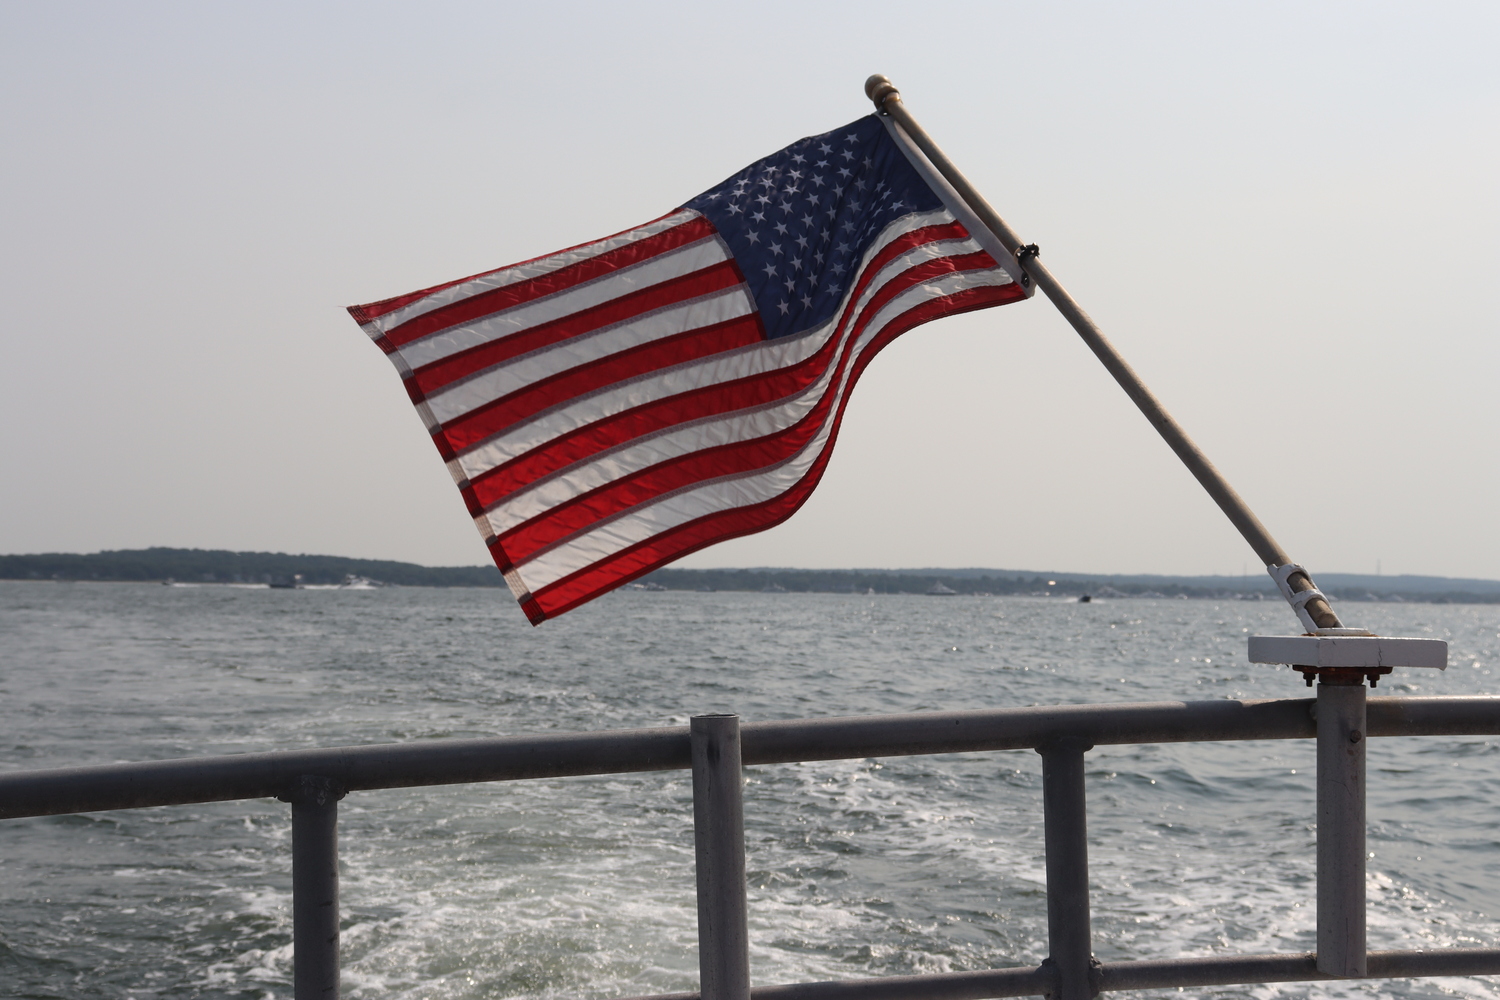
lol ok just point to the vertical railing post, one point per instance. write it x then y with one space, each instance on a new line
1065 818
315 888
719 841
1341 824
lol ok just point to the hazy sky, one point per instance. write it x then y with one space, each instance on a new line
1285 215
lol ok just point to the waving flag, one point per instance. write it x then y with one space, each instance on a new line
615 406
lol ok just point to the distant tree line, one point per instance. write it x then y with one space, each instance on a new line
220 566
816 581
824 581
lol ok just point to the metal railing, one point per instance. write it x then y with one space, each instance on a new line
715 748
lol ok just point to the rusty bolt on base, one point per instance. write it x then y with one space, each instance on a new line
1342 675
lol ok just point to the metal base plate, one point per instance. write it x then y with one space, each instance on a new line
1358 651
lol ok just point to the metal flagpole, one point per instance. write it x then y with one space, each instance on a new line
1295 583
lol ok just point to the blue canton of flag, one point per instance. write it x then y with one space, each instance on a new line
797 220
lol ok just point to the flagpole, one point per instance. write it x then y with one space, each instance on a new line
1314 608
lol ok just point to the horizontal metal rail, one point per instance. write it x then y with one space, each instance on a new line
403 765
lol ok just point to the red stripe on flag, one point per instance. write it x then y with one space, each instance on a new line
494 485
910 241
499 299
435 376
374 310
505 412
582 512
556 453
928 270
658 550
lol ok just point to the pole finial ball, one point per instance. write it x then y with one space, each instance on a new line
878 88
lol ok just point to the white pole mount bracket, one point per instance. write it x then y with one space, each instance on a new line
1348 652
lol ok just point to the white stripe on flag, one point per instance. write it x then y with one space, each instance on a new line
529 369
754 359
524 272
499 325
644 452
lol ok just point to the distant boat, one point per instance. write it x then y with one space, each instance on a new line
1085 599
938 590
773 588
294 584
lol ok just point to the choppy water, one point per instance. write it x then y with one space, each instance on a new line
583 887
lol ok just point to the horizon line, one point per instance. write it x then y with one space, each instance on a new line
1243 576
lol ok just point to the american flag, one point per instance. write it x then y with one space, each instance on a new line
615 406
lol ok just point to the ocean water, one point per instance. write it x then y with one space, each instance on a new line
583 887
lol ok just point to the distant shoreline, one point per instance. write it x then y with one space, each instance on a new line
211 566
223 566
